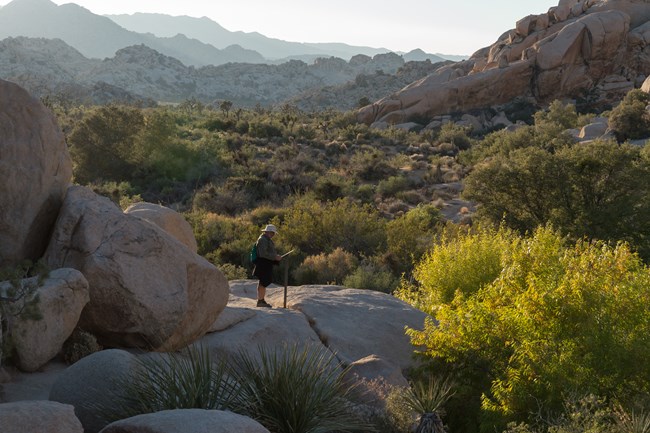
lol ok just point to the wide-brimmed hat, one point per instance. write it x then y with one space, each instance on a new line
270 228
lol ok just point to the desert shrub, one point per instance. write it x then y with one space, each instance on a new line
547 320
262 215
331 187
212 230
370 165
630 120
558 115
371 274
449 268
393 185
365 193
454 134
411 235
264 129
79 345
233 272
294 390
317 227
324 268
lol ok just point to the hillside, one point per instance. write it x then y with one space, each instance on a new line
51 67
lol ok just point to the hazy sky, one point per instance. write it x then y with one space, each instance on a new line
436 26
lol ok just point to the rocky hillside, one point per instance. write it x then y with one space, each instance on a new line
593 51
51 67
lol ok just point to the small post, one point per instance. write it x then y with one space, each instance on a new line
286 282
286 276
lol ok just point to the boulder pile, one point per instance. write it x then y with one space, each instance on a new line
596 49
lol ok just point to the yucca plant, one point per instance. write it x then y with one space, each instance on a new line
294 390
426 398
184 380
634 421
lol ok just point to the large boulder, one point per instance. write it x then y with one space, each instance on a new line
93 383
62 296
38 417
352 323
35 169
356 323
167 219
146 288
186 421
577 48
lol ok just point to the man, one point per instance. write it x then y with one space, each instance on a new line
267 256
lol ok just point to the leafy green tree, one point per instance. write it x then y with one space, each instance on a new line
598 189
551 318
102 142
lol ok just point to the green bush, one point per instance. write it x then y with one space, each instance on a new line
411 235
79 345
598 189
324 268
630 120
543 319
393 185
372 275
317 227
101 144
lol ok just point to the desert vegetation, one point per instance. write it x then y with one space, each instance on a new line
537 301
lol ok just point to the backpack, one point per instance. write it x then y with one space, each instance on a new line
253 254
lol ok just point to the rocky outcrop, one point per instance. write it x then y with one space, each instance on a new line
167 219
146 288
187 421
597 47
35 169
352 323
38 416
93 383
62 297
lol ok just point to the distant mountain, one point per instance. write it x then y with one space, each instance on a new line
51 68
208 31
96 36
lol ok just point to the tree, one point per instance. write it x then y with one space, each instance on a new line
101 144
630 120
598 189
225 106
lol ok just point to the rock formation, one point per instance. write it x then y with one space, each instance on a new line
35 169
170 221
187 421
146 288
62 297
588 47
38 416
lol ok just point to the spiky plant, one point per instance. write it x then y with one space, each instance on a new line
426 398
634 421
184 380
294 390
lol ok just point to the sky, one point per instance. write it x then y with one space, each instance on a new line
436 26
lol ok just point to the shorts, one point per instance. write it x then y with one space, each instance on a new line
264 271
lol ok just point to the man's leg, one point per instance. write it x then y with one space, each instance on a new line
261 291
